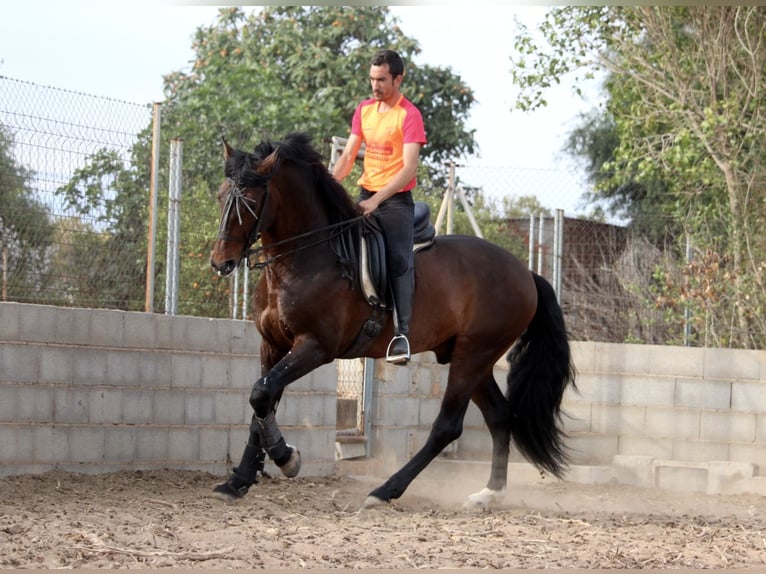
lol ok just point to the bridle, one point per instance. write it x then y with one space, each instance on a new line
236 201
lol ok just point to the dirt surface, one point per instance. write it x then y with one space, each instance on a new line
171 519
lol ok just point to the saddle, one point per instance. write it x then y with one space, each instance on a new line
362 255
372 250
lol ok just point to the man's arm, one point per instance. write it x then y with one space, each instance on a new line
347 158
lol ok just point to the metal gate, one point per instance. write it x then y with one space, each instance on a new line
353 422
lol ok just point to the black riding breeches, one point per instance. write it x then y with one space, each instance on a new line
396 218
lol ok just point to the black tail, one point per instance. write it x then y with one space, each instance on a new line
540 370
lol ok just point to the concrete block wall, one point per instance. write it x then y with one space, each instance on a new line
675 417
100 390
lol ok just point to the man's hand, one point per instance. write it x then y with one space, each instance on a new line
367 206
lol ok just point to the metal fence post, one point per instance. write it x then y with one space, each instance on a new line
174 227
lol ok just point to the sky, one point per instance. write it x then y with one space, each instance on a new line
122 49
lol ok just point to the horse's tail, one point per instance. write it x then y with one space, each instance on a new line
540 370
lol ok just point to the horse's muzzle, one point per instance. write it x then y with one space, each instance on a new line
225 268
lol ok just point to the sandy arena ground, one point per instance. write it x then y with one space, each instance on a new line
166 518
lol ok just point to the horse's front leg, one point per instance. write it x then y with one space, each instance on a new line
245 474
305 356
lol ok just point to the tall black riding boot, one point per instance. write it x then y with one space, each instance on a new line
402 288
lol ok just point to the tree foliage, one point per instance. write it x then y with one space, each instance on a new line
263 74
685 87
25 228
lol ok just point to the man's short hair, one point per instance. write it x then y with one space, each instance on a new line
393 59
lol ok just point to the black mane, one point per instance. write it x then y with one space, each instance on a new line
295 149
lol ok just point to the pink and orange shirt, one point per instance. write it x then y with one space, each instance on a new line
384 135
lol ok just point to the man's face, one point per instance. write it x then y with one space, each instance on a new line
384 86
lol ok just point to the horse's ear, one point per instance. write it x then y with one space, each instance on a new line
227 150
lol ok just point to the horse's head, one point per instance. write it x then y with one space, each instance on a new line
243 197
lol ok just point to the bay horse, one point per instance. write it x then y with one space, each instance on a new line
473 302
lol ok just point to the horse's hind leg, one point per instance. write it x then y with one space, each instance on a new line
497 415
447 427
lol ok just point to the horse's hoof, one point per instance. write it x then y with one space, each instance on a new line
227 492
372 501
293 466
484 498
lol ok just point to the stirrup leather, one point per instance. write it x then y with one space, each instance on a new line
401 357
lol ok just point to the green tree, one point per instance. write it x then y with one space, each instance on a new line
282 69
110 249
685 89
25 229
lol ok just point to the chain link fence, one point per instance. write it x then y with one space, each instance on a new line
70 239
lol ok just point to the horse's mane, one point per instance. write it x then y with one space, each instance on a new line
295 149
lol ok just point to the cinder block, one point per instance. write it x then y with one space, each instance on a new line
107 328
748 397
590 448
200 408
17 444
123 368
215 371
19 363
244 338
90 367
397 411
120 444
155 369
680 478
576 417
105 406
671 361
648 391
623 359
183 444
228 408
634 470
213 444
703 394
9 402
152 445
86 444
50 444
139 331
727 426
56 364
699 451
724 476
597 388
35 404
620 420
137 406
186 370
740 364
73 327
583 355
71 405
37 324
672 423
164 335
244 371
754 453
643 446
9 321
169 408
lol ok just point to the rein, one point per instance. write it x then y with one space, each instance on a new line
342 226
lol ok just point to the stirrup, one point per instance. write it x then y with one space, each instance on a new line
400 357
